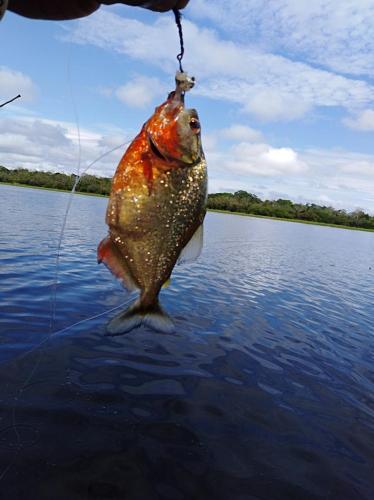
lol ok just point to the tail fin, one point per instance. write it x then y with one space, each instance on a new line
136 315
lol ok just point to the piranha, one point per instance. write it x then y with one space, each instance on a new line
156 209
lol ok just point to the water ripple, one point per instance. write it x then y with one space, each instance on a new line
264 391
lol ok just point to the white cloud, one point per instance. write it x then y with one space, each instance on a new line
13 83
335 34
262 159
344 168
272 87
140 91
339 178
359 168
238 132
251 158
345 178
363 120
42 144
270 104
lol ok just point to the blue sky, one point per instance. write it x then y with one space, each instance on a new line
285 92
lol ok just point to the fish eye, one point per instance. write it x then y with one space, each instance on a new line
195 124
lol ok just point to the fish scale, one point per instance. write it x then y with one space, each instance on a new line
157 234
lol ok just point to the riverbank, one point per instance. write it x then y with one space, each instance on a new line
313 223
16 184
243 214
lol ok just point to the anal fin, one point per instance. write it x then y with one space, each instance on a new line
111 257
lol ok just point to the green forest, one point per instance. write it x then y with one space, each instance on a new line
240 202
87 184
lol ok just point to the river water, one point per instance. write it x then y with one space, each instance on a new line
265 391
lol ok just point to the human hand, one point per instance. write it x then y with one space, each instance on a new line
73 9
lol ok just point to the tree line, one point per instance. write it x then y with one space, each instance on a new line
65 182
240 201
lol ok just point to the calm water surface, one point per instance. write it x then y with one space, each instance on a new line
264 392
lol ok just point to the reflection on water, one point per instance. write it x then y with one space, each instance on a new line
264 392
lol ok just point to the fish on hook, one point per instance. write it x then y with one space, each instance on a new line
156 209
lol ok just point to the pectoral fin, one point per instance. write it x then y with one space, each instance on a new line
110 255
193 248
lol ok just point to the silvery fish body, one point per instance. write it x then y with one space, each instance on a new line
156 210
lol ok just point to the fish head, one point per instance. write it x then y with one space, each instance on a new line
174 133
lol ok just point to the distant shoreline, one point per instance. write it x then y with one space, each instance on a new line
243 214
339 226
16 184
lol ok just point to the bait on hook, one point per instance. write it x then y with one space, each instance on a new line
182 80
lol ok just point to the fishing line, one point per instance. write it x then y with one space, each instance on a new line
67 328
53 297
57 262
54 286
58 255
50 332
25 354
178 21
